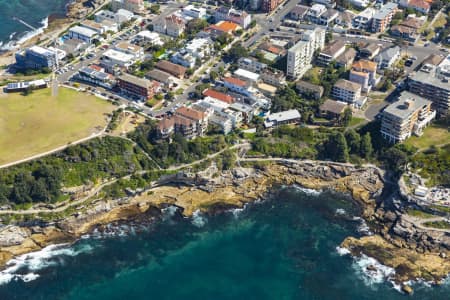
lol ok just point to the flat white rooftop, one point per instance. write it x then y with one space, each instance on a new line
247 74
83 31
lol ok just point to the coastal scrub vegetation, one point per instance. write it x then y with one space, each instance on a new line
94 161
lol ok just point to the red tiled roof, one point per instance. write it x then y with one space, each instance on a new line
420 3
235 81
190 113
218 95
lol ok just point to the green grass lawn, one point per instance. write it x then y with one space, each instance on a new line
432 135
37 123
420 214
356 121
438 224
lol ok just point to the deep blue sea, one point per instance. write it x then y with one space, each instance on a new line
33 12
282 248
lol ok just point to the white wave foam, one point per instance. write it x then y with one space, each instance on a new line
308 191
12 35
342 251
168 212
197 219
340 211
371 271
24 267
13 44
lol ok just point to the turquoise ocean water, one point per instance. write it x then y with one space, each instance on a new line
33 12
282 248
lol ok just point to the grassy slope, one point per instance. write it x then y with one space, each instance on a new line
433 135
33 124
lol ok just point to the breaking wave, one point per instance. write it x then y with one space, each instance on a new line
14 44
198 219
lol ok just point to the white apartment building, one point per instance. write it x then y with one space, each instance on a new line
82 33
301 54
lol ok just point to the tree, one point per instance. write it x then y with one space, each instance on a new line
154 9
346 117
328 37
336 148
395 159
195 25
237 51
213 75
366 148
353 140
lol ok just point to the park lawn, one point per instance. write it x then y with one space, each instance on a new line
33 124
432 135
355 122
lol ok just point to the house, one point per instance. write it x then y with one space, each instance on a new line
214 104
327 3
218 96
363 20
309 90
388 57
409 115
273 77
331 52
242 18
408 29
364 72
298 13
360 3
193 12
171 25
73 46
160 76
347 91
246 75
196 49
422 6
97 27
251 64
247 111
225 124
136 51
223 27
345 18
267 89
21 86
171 68
382 19
135 86
237 85
282 118
346 59
96 76
112 58
328 18
369 51
314 13
135 6
332 110
119 17
82 33
152 37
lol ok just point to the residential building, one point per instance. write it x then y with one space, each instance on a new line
152 37
96 76
298 13
346 59
171 68
246 75
364 72
110 26
196 49
214 104
345 19
360 3
200 118
14 87
193 12
171 25
300 55
347 91
382 19
332 110
97 27
369 50
247 111
119 17
160 76
82 33
329 18
135 86
73 46
327 3
135 6
282 118
251 64
267 89
388 57
363 20
225 124
237 85
136 51
269 5
432 82
409 28
218 96
242 18
331 52
36 58
112 58
273 77
314 13
309 90
188 122
422 6
409 115
223 27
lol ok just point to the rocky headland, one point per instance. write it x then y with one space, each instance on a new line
413 252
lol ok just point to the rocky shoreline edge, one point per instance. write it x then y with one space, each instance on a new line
413 253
